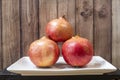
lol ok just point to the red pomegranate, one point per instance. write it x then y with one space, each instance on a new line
59 30
77 51
44 52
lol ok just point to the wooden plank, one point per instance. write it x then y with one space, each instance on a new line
29 23
67 8
0 36
10 31
84 18
102 28
116 32
47 12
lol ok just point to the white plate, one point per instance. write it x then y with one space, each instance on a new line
97 65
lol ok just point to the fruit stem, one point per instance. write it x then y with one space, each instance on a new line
64 17
44 37
77 36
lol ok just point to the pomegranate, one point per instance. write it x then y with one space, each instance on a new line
77 51
44 52
59 30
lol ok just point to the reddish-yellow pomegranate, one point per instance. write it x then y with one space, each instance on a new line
77 51
59 30
44 52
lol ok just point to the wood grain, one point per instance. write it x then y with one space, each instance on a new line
29 23
67 8
102 28
116 32
10 31
84 18
23 21
47 12
0 35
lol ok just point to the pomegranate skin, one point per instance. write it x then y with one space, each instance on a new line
77 51
59 30
44 52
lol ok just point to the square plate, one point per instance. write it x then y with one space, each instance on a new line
97 65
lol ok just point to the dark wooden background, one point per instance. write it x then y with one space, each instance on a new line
23 21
